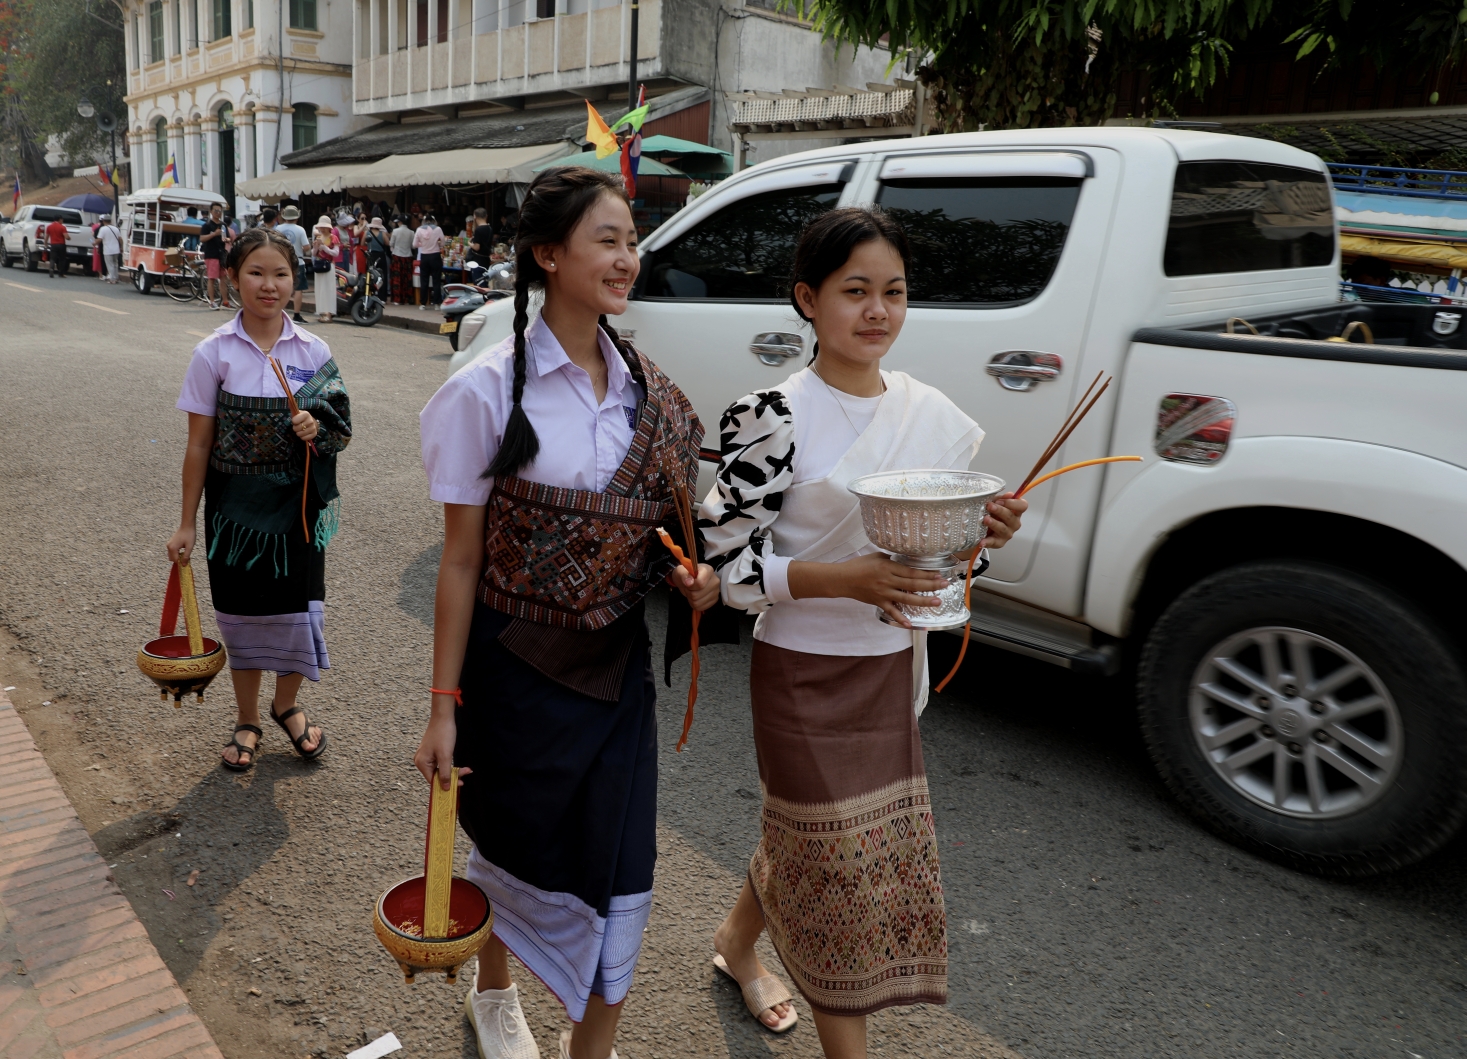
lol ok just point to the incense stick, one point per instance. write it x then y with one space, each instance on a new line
1064 435
1048 452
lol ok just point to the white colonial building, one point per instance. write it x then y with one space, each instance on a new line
224 88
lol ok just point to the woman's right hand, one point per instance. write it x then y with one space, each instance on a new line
182 540
435 749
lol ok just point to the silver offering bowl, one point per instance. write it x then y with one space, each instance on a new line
924 518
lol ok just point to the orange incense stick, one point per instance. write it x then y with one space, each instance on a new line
692 569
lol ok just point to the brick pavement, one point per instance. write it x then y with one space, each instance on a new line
79 978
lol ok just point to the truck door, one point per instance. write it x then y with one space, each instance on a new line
1007 246
711 306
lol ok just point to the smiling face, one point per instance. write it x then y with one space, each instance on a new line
597 264
265 281
859 310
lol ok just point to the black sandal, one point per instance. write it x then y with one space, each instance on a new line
296 741
240 749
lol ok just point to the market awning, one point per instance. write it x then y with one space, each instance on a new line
292 183
1438 257
470 165
612 164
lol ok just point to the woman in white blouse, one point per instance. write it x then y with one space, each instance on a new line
846 876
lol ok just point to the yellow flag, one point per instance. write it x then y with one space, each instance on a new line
598 133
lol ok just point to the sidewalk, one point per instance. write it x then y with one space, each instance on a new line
79 978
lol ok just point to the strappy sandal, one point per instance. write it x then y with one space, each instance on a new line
762 994
296 741
240 749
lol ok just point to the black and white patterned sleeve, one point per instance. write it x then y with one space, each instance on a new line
755 467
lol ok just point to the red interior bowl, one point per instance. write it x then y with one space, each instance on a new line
468 908
176 647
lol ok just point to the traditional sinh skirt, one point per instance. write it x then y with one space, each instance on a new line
562 809
846 871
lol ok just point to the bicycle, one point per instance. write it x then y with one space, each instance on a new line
183 276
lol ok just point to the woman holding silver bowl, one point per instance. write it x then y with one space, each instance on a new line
846 876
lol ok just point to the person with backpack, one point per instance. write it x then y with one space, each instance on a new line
108 244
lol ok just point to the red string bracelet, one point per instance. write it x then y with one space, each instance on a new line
456 693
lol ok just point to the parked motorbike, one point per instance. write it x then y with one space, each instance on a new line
460 299
360 296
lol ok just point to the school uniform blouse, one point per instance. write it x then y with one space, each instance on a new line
582 442
229 360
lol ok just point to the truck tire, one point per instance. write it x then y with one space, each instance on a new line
1310 715
5 258
32 262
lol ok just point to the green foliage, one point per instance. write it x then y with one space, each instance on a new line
1426 35
52 53
1029 63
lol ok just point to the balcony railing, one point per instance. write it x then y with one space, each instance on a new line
1391 180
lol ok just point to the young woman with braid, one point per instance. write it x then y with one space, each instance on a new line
555 456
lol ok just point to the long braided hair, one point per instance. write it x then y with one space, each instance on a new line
554 204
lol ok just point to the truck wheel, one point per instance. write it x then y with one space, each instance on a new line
32 262
1310 715
5 258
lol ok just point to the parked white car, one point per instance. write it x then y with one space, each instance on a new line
1283 572
23 238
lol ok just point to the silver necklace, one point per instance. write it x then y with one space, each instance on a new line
838 402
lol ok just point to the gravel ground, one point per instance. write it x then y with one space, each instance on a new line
1087 916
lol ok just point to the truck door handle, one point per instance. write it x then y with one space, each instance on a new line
1023 369
776 347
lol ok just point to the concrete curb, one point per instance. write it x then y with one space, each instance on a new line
79 978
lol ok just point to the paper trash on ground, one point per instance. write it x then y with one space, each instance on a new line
384 1045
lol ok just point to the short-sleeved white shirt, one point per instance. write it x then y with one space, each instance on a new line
230 360
582 444
111 239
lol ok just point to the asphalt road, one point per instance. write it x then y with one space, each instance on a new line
1086 915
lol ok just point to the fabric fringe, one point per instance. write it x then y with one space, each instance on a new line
328 522
242 539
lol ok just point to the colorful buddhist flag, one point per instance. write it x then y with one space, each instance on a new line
632 118
170 175
598 133
15 195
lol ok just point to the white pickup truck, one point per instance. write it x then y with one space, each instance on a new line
1284 573
23 238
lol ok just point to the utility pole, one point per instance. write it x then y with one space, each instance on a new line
632 77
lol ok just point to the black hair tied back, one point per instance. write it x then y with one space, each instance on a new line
555 202
255 238
828 241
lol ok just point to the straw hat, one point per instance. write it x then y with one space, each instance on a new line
325 222
290 213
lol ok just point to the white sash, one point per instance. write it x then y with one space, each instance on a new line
915 426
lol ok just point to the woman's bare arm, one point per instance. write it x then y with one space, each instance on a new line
195 467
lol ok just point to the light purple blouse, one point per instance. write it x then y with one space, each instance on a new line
230 360
582 444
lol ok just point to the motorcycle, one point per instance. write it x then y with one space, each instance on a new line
460 299
360 297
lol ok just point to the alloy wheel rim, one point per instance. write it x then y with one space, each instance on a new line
1296 723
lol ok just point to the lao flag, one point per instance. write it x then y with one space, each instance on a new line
15 195
631 159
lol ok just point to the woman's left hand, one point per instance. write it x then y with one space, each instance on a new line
1005 512
702 591
306 428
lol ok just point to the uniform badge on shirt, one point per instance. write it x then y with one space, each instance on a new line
631 414
302 375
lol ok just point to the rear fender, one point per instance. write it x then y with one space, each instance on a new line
1420 497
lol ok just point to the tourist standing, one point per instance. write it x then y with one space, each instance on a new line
402 261
213 238
428 242
109 245
302 242
325 250
56 249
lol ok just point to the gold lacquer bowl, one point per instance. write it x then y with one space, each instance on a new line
399 926
168 662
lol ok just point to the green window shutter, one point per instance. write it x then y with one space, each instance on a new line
303 127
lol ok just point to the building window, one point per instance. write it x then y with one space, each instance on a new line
442 21
303 127
177 27
303 14
420 38
544 8
160 145
222 26
155 31
249 10
137 55
194 34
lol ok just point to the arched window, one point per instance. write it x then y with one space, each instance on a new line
302 126
160 145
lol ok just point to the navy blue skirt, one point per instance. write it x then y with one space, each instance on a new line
562 809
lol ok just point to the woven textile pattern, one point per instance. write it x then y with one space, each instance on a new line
253 434
852 897
580 559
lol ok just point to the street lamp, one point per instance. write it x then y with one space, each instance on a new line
85 108
108 124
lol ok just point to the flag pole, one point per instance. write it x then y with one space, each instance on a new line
632 75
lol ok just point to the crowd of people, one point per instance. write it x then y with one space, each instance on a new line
554 455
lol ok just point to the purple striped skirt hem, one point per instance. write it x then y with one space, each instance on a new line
286 643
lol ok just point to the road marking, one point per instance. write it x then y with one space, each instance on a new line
94 305
22 286
200 334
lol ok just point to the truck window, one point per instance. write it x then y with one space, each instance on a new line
981 241
743 252
1248 217
51 213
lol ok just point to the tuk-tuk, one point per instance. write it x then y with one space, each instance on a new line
154 228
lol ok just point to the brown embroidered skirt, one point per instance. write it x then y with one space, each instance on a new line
846 871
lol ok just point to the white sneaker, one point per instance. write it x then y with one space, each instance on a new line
565 1039
499 1024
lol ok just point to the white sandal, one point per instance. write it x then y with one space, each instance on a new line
762 994
565 1039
